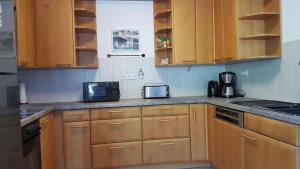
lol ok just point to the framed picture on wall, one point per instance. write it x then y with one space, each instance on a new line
125 40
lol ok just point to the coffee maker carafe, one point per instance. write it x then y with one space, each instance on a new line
227 81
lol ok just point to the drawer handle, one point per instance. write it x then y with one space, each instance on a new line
116 111
78 114
118 123
166 120
249 137
82 126
117 148
63 65
166 144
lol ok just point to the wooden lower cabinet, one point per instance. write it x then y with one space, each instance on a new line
47 142
228 146
198 132
210 111
162 151
77 145
166 127
116 131
261 152
116 155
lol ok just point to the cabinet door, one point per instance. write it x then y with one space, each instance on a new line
210 111
230 30
204 32
198 132
47 142
25 33
184 29
261 152
229 145
54 33
77 145
219 30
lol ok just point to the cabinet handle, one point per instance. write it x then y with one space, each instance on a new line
249 137
166 120
63 65
228 59
119 123
166 144
189 61
24 63
116 111
117 148
194 115
82 126
79 114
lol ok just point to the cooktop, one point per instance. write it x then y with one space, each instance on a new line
278 106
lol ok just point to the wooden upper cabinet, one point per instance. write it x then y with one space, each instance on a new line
230 30
219 30
204 32
54 33
25 33
198 132
226 40
184 29
261 152
47 142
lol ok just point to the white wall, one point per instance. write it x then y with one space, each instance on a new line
66 85
276 79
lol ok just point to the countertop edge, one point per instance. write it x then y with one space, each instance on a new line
51 107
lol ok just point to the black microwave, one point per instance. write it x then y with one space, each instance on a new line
101 91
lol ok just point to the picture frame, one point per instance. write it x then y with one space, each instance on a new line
127 40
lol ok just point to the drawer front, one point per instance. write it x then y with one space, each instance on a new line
166 110
120 113
278 130
114 131
76 115
161 151
116 155
166 127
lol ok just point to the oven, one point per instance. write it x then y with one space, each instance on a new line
31 145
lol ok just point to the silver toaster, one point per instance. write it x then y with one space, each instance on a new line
155 91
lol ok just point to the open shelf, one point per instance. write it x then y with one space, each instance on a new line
163 14
260 37
161 49
86 49
84 29
83 12
163 30
259 16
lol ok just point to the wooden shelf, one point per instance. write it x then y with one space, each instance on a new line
163 30
84 29
86 49
83 12
260 37
163 14
259 16
161 49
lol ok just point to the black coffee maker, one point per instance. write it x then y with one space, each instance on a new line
227 81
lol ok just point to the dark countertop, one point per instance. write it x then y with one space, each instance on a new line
49 107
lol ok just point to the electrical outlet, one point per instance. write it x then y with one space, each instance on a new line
129 77
244 73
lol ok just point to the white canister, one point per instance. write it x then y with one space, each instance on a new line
23 97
